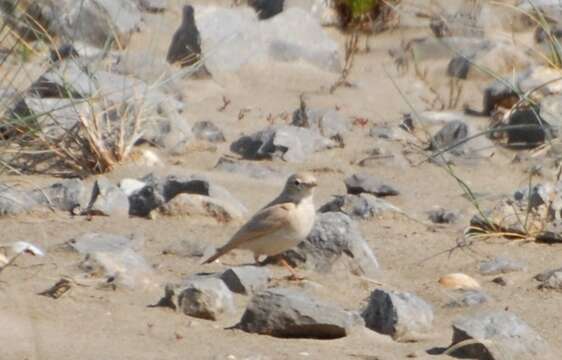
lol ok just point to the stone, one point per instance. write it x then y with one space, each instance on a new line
172 185
362 206
327 122
65 195
334 236
469 298
14 201
69 79
185 47
402 315
364 183
144 200
206 299
250 169
499 335
153 6
246 279
254 42
289 313
267 8
443 216
201 205
551 279
107 199
129 186
325 12
458 67
207 131
501 265
114 258
290 143
451 134
532 131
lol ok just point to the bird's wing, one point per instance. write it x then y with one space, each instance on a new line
264 222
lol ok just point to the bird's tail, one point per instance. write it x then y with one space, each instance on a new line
219 252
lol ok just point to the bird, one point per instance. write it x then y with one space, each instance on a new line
278 226
185 47
10 252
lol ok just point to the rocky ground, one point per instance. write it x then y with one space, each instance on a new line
392 268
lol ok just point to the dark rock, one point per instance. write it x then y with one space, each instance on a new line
498 93
361 206
289 313
206 130
404 316
443 216
107 199
185 47
249 169
334 236
64 52
458 67
172 185
500 265
153 6
246 279
500 280
290 143
206 298
143 201
531 130
14 201
267 8
363 183
327 122
452 133
499 335
469 298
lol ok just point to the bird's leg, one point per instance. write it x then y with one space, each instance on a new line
294 276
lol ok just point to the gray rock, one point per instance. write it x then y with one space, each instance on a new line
172 185
153 6
500 335
14 201
249 169
67 80
328 123
458 67
65 195
334 236
246 279
551 279
267 8
107 199
469 298
290 143
206 298
363 183
114 258
144 200
362 206
452 133
443 216
291 314
206 130
404 316
501 265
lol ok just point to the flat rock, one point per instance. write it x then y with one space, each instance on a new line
246 279
65 195
107 199
327 122
153 6
362 206
290 143
206 298
200 205
267 8
289 313
551 279
500 335
250 169
364 183
501 265
443 216
451 134
469 298
208 131
14 201
404 316
335 236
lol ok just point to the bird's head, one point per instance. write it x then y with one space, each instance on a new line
300 185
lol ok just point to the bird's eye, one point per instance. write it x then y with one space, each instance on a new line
297 182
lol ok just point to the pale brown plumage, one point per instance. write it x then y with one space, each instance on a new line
279 225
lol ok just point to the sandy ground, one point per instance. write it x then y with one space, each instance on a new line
90 323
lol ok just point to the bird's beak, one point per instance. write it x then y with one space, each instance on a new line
311 184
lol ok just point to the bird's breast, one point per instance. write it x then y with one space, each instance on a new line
304 218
